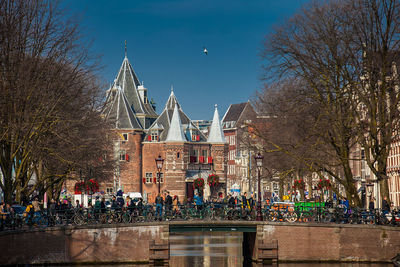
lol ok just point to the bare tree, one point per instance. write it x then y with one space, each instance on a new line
345 53
49 108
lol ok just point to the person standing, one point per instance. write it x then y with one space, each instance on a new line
175 203
245 203
36 204
159 206
371 204
198 200
231 201
385 206
168 202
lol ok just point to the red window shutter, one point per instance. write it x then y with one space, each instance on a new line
155 180
144 180
210 160
197 137
201 159
149 138
127 157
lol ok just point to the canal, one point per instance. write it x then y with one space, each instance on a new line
224 249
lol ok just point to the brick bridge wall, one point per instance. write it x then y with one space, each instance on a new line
101 244
318 242
129 243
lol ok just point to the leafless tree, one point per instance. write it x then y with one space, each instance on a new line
345 54
50 120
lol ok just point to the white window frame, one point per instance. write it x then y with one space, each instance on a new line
162 177
122 155
125 137
154 136
149 177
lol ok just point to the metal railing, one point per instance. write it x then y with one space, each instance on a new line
207 212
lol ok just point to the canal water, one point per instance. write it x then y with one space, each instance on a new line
220 249
224 249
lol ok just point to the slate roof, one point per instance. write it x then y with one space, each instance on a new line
216 135
234 111
129 82
118 111
164 121
175 133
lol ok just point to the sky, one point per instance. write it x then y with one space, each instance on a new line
165 41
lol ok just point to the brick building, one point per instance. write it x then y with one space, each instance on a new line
235 123
142 136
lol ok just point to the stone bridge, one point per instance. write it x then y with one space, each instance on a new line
129 243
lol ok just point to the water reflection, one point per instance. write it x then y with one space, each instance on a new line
199 249
220 249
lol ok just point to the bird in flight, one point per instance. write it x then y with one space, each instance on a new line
205 50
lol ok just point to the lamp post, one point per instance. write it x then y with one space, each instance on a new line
159 164
259 162
84 186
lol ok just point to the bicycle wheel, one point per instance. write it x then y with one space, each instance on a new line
149 217
290 217
78 219
273 216
126 217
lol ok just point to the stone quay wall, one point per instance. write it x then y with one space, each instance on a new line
122 243
319 242
130 243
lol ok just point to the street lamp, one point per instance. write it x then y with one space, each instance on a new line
159 164
259 162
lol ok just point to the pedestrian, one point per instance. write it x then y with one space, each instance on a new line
114 203
103 207
371 204
36 204
168 202
139 206
175 203
252 202
3 215
198 200
159 206
120 199
77 205
245 203
231 201
385 205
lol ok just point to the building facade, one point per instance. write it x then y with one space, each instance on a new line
141 136
240 156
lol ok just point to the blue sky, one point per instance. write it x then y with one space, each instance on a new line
165 43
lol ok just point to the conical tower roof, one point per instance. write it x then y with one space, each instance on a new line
216 135
164 121
118 110
172 101
129 82
175 133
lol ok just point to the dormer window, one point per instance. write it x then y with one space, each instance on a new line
124 137
195 135
154 136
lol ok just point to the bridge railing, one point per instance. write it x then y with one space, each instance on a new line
208 211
